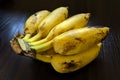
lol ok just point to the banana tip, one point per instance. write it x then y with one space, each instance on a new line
107 28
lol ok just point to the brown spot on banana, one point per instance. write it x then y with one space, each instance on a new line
42 26
34 20
71 65
65 15
87 17
68 46
80 40
26 30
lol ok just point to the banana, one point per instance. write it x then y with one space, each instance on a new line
55 17
70 63
74 41
67 44
76 21
79 40
46 56
31 24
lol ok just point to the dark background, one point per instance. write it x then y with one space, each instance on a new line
13 14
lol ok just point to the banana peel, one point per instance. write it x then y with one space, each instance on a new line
46 56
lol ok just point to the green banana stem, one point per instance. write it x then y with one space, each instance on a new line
42 47
27 36
38 42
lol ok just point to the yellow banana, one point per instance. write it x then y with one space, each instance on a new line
74 41
45 56
78 40
55 17
70 63
31 24
76 21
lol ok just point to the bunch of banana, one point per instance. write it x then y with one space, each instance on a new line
34 25
68 44
55 17
74 22
30 29
74 41
31 25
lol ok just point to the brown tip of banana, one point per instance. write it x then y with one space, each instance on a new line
67 7
87 16
99 44
106 30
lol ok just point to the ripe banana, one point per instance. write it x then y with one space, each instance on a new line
55 17
70 63
65 43
31 24
76 21
79 40
46 56
74 41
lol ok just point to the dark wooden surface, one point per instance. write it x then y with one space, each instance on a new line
13 14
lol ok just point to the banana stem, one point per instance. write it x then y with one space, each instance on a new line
38 42
35 38
27 36
42 47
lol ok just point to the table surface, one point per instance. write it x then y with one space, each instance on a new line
13 14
